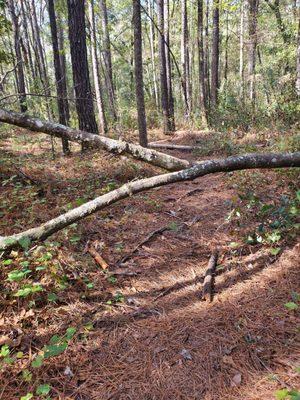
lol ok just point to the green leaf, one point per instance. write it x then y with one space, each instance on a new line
27 397
43 390
17 276
75 239
38 361
70 333
275 250
55 339
20 354
25 242
54 350
26 375
4 352
7 262
281 394
52 297
291 306
298 195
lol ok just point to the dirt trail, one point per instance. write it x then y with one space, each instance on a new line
162 342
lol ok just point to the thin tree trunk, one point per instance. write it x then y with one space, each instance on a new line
207 56
41 58
169 65
215 54
96 74
202 88
253 9
185 57
62 56
298 61
241 69
138 71
82 85
250 161
163 69
27 41
20 79
58 72
107 59
152 37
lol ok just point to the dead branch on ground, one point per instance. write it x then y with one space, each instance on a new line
208 284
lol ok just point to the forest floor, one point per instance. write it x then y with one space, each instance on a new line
141 330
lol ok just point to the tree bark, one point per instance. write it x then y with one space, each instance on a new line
202 88
185 56
58 72
151 156
19 59
169 65
151 39
241 69
138 71
41 58
107 59
298 61
96 73
82 85
250 161
215 54
163 69
253 10
62 56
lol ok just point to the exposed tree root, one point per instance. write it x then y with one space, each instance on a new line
250 161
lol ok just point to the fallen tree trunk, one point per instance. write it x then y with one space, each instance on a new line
170 146
249 161
114 146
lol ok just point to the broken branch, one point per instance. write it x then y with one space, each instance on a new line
208 284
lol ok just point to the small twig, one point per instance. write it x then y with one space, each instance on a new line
146 240
189 193
97 257
208 284
27 177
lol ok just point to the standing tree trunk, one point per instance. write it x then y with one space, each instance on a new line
82 85
241 71
202 88
138 71
150 12
207 56
253 9
185 56
41 58
169 65
163 69
107 59
298 62
19 60
96 74
27 41
215 54
58 72
62 57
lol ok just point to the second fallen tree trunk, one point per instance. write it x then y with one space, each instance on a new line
114 146
249 161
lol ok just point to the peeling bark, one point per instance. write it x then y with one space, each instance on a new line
249 161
